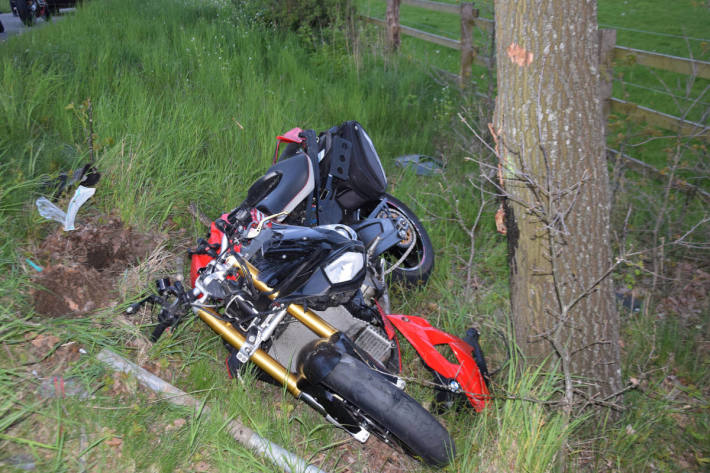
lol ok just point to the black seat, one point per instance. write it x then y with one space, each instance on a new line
294 182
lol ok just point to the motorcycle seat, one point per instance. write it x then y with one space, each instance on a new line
295 182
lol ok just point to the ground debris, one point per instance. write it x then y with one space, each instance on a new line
82 268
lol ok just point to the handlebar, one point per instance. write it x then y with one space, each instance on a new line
171 311
158 331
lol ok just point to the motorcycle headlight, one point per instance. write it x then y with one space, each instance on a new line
345 267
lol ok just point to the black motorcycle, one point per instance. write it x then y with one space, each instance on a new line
337 178
290 299
294 280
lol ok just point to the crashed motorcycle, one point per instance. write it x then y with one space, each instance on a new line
336 177
304 303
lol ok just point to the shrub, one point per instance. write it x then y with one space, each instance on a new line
307 17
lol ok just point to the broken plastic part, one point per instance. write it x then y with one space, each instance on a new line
81 195
50 211
422 164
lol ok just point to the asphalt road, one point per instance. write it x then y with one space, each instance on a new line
14 26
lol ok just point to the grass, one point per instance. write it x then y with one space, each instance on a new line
187 98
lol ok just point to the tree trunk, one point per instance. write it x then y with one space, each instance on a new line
548 124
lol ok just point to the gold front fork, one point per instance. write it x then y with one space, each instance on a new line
262 359
311 320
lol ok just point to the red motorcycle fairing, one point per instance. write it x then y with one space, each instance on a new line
424 338
199 261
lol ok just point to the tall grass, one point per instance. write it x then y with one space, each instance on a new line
187 97
183 99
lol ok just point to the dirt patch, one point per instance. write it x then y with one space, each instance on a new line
82 268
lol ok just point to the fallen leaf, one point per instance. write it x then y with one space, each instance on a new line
114 442
45 341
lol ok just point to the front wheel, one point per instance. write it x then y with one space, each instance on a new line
412 260
390 413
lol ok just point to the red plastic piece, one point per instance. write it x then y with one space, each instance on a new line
291 136
200 261
424 339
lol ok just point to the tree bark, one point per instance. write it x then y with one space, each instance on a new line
549 131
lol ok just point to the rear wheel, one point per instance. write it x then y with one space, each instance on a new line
413 257
390 412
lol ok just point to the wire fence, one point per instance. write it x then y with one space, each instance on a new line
653 33
474 25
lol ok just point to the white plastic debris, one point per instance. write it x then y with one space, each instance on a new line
81 195
50 211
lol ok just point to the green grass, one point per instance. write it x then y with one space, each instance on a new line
187 99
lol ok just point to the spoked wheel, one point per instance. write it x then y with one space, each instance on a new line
412 260
390 413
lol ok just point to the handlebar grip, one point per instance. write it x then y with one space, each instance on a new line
133 308
158 331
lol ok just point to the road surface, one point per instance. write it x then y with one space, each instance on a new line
14 26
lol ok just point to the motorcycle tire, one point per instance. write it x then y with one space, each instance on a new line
24 12
394 415
418 265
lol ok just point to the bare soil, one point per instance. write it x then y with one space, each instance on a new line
81 267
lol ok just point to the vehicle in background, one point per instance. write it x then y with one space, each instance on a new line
28 10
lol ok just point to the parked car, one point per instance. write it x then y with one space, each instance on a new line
28 10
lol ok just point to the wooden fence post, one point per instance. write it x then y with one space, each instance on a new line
392 20
468 13
607 41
